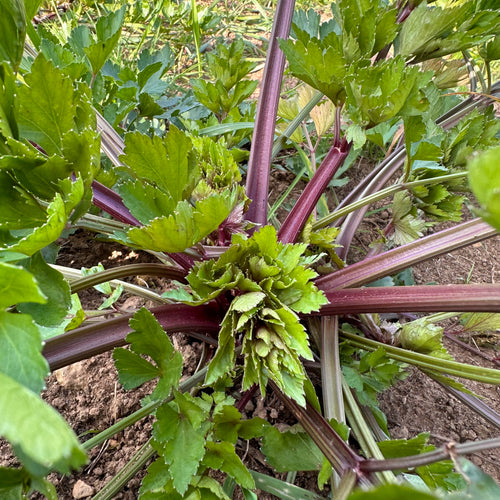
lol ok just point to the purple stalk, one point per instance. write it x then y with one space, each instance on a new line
400 258
88 341
111 202
259 164
335 449
424 298
304 206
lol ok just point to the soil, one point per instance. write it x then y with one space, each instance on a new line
90 397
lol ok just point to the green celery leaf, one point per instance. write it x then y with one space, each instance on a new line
20 348
18 209
8 91
407 226
385 90
145 201
181 445
391 492
46 106
479 484
12 32
53 286
425 337
186 226
18 284
40 436
291 450
480 322
108 30
168 163
429 33
45 234
222 456
148 339
319 63
484 179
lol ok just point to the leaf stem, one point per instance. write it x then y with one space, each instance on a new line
304 206
426 362
397 259
259 164
380 195
449 450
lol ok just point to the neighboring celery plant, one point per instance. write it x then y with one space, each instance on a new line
250 290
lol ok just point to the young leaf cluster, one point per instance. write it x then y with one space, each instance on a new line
369 375
228 67
178 199
270 283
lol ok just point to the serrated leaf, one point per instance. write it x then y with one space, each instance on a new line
108 30
20 348
247 301
45 234
18 284
46 106
385 90
319 63
434 32
53 286
484 179
148 339
323 117
480 322
222 456
37 432
145 201
180 445
12 32
186 226
292 450
168 163
425 337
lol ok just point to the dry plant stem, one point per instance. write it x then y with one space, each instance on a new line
473 350
419 298
400 258
257 185
88 341
449 450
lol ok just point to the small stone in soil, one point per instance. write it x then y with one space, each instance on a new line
82 489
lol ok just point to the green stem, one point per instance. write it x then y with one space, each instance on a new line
362 432
425 362
125 271
124 475
380 195
143 412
